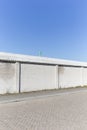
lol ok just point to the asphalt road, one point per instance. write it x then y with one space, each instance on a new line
58 112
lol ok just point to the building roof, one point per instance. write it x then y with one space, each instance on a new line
38 59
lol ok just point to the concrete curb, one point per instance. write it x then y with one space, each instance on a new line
40 96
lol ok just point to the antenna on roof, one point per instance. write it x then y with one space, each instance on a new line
40 53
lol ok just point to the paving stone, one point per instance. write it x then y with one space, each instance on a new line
63 112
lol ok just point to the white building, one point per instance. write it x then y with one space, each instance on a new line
22 73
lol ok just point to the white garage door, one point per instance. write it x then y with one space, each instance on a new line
37 77
70 77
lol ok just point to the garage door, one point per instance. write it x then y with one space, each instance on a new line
37 77
70 77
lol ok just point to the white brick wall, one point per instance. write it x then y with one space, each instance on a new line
8 78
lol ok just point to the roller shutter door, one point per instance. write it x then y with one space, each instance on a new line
37 77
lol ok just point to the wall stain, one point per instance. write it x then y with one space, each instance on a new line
7 71
61 70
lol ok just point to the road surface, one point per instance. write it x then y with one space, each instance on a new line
59 112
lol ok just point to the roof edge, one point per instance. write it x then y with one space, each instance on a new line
37 59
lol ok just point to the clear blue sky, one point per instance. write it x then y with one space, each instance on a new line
58 28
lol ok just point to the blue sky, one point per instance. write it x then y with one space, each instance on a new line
57 28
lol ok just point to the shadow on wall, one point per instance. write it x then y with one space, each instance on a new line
61 70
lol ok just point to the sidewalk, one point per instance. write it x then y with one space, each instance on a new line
8 98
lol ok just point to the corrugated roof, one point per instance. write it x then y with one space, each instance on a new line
37 59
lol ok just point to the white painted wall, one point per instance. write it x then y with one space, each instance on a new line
70 77
8 78
35 77
38 77
84 75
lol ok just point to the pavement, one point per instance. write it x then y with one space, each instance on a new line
46 110
6 98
